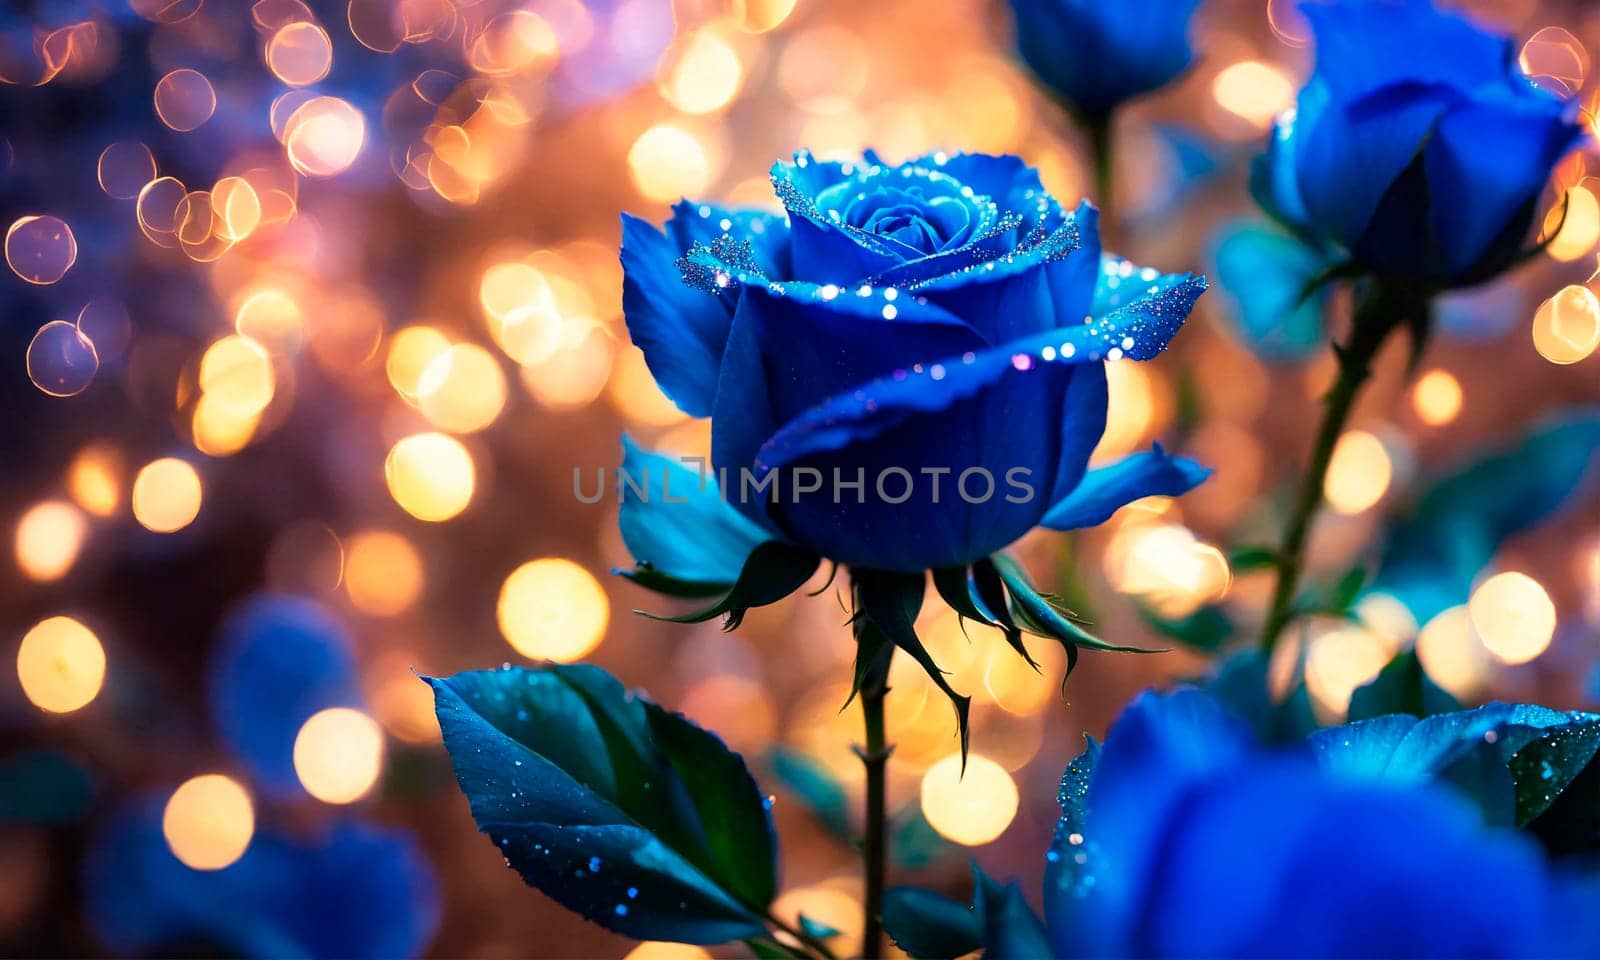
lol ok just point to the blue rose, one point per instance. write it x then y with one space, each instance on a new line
1096 54
925 342
1417 146
1184 837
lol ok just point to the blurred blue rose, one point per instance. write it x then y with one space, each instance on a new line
344 889
936 330
1095 54
1418 146
1184 837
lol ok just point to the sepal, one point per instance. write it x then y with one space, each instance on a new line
773 571
887 604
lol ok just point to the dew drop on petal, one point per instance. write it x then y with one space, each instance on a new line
61 360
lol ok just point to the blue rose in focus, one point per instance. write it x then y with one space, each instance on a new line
1417 146
936 330
1095 54
1183 836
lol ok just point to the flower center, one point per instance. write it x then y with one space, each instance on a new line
918 212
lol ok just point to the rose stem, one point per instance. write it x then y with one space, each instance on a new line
875 848
1378 310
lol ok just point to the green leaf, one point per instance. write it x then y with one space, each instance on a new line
913 843
1251 557
1011 930
619 810
1344 593
822 795
1571 824
817 929
773 571
1401 687
1544 769
889 603
1205 630
1513 760
1240 685
739 839
929 925
1295 717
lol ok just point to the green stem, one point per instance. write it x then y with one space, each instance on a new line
875 847
1379 310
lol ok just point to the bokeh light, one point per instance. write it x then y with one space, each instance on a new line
236 374
40 248
702 75
324 136
411 350
552 609
1167 567
185 99
431 476
166 495
1556 60
461 390
971 808
300 53
1133 412
1566 328
1437 397
49 536
1513 616
1339 659
1359 473
1452 654
383 573
1576 223
665 950
272 317
61 361
667 162
208 822
1253 90
515 42
124 168
338 755
94 479
61 665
